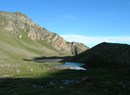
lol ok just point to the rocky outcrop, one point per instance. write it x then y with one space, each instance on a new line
77 48
15 23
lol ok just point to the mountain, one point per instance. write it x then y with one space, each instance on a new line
21 40
23 37
106 55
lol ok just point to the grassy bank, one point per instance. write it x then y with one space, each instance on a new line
21 77
45 80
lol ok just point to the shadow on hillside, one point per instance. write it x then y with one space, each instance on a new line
55 83
50 59
69 82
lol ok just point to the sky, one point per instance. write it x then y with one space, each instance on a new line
86 21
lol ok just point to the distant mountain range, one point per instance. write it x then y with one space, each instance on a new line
106 55
19 35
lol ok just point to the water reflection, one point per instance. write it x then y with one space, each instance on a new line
73 65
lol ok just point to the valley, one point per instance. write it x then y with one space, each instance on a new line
29 54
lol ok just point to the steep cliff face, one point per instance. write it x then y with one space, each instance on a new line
16 23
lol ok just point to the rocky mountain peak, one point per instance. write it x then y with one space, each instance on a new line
17 22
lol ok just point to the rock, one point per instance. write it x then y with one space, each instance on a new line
90 79
15 23
77 48
18 71
31 70
61 87
20 36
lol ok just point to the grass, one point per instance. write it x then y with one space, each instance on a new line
13 50
111 82
20 77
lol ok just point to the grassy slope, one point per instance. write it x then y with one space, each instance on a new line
22 76
111 82
106 55
13 50
19 76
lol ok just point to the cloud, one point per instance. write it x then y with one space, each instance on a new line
93 40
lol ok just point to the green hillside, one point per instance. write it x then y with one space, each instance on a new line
22 40
15 46
13 50
107 55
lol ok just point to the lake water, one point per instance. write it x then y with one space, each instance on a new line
73 65
66 65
